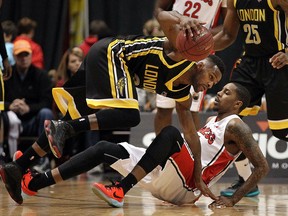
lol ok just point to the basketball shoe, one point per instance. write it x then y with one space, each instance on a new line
11 176
17 155
112 194
228 192
25 183
27 177
57 132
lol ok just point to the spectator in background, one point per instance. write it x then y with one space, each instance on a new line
26 31
28 97
9 34
98 29
69 64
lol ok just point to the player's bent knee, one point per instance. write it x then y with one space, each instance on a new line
173 133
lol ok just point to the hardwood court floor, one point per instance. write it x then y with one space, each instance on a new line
74 197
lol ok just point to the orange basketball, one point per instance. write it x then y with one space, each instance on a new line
195 48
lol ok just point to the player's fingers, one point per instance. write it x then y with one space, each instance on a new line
189 32
280 65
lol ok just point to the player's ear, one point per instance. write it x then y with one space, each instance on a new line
200 65
238 104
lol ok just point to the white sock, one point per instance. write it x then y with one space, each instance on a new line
243 168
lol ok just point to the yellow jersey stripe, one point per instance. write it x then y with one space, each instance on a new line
278 125
112 103
2 91
250 111
65 102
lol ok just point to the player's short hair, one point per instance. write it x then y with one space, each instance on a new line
217 61
243 95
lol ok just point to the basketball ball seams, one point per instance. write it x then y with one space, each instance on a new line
197 47
201 43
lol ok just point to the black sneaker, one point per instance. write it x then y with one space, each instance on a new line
11 176
57 132
228 192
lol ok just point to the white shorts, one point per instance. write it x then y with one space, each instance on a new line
163 184
197 99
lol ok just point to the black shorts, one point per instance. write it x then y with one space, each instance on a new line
108 81
260 78
102 81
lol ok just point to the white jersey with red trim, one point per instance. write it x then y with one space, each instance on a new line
215 158
174 183
204 10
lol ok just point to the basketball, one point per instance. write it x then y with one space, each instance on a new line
195 48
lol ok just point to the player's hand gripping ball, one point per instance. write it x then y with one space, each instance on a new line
195 48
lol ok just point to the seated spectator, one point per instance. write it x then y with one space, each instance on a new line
28 97
98 29
69 64
9 34
26 31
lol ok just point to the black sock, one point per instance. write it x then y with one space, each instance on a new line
81 124
41 180
27 159
128 182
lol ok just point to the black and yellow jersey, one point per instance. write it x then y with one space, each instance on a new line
114 67
264 27
150 68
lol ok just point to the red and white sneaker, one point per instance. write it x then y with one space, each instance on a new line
25 182
112 194
17 155
27 177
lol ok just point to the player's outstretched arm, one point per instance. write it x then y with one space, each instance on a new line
239 133
192 139
230 29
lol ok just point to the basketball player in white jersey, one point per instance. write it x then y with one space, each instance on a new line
166 167
207 12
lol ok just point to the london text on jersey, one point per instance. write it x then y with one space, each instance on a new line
252 15
150 78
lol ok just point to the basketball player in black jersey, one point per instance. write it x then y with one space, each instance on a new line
264 66
106 83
